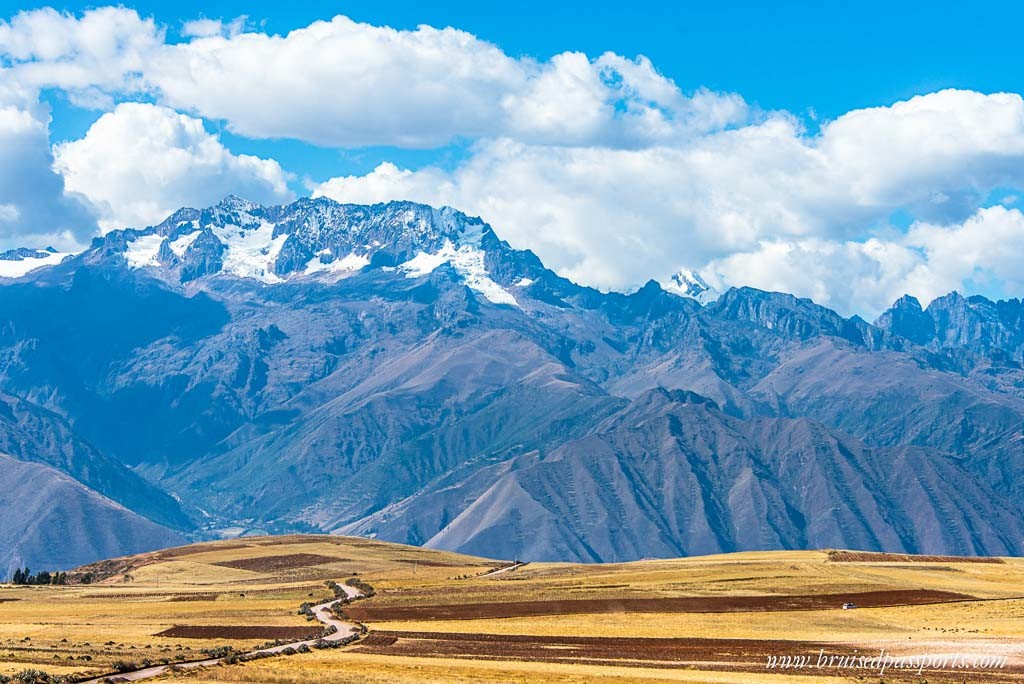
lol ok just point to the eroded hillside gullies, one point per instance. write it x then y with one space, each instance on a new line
398 370
671 475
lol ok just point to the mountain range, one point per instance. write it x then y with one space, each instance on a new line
401 372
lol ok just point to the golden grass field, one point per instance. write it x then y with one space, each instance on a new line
434 618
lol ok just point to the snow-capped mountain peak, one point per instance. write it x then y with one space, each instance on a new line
686 283
323 240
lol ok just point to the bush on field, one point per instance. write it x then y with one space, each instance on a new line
32 677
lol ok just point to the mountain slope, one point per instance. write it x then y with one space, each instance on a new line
417 416
30 433
400 370
50 521
671 474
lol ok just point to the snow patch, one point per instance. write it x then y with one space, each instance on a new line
689 284
524 282
251 252
424 264
16 269
143 250
468 262
341 267
181 245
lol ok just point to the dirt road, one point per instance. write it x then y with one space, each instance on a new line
321 612
507 568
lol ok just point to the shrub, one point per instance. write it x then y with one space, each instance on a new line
34 677
219 652
362 586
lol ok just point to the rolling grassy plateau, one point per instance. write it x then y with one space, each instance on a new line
445 617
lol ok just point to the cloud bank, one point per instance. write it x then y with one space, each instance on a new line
140 162
764 204
605 167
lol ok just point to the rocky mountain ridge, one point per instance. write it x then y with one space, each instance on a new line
399 371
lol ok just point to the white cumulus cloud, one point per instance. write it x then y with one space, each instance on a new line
601 164
34 206
140 162
983 252
104 50
613 217
206 28
345 83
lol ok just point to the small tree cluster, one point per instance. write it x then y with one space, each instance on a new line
219 652
25 576
336 589
366 589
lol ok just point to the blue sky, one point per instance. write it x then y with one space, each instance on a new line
810 58
849 152
832 56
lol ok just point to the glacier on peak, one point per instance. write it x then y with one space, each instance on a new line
469 262
341 267
325 240
181 244
321 238
686 283
16 263
251 252
143 251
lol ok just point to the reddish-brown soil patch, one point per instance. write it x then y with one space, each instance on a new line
873 557
193 549
573 649
379 639
286 562
747 655
195 597
430 563
239 632
316 589
367 611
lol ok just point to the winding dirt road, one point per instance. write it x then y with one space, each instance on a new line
321 612
507 568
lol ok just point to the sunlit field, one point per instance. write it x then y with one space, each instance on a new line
446 617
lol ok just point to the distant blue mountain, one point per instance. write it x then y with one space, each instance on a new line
400 371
